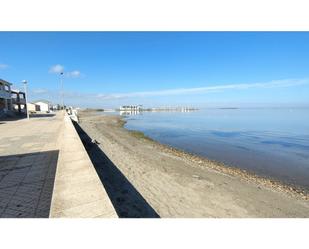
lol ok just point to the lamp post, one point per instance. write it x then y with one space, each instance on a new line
61 84
26 96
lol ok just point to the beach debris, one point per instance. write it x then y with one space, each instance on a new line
196 176
94 141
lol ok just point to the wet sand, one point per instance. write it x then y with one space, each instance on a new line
146 179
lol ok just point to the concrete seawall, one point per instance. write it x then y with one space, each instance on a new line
78 191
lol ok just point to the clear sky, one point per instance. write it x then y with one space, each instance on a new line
199 69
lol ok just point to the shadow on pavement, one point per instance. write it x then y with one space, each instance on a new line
23 116
127 201
42 115
26 184
14 118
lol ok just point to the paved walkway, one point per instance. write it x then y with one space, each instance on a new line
45 171
78 191
28 160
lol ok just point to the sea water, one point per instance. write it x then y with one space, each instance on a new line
270 142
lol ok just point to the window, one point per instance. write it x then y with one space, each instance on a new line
6 88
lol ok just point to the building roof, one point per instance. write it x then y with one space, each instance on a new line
42 100
5 82
16 91
30 103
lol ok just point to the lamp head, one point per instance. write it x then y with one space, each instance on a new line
24 81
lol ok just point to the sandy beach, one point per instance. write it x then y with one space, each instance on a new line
146 179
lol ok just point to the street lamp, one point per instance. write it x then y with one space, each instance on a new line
26 96
61 84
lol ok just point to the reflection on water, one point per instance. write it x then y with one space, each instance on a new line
129 112
270 142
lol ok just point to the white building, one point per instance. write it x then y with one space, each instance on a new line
32 108
43 104
130 108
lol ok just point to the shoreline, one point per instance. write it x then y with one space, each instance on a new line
180 184
221 167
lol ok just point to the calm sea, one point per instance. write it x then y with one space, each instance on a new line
268 142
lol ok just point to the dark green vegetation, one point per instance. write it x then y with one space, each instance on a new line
139 135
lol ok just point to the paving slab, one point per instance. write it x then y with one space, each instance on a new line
31 152
27 168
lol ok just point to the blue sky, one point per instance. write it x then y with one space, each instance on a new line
107 69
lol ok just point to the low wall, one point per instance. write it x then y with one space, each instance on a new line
78 191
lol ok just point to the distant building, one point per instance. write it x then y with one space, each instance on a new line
5 96
32 108
43 104
56 107
130 108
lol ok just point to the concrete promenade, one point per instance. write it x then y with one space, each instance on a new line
78 191
45 171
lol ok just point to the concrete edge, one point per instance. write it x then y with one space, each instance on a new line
78 191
